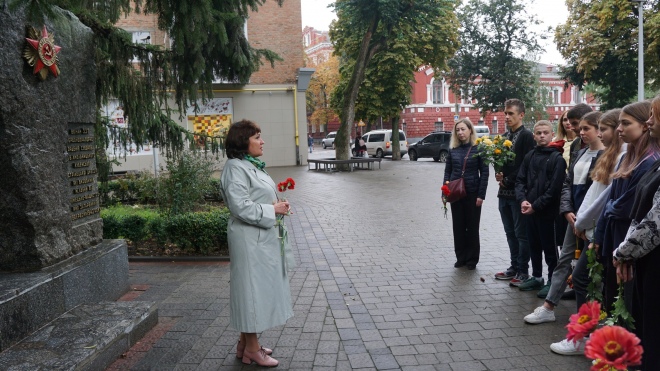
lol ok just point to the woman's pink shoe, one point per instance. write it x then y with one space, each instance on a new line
240 348
260 357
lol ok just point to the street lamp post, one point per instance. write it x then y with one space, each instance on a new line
640 55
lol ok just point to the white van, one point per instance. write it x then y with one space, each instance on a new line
379 143
481 131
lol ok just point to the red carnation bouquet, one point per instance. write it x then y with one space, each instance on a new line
445 194
289 183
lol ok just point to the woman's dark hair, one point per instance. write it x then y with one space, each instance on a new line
238 138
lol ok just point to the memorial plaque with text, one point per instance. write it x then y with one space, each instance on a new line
81 174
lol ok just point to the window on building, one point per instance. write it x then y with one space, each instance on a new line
577 96
438 91
140 37
556 96
439 126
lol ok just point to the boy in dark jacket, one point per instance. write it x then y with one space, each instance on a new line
512 220
538 190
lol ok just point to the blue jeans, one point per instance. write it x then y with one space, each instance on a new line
515 228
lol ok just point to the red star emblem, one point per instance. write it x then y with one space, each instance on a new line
47 54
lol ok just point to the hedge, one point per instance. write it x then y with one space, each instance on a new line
199 232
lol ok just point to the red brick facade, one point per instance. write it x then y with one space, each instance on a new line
433 105
273 27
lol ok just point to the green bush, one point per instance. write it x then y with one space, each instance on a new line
197 232
188 180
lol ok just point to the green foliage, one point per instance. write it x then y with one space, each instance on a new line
208 42
198 232
620 315
600 43
595 276
494 62
425 32
188 180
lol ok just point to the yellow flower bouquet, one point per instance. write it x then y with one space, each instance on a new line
496 151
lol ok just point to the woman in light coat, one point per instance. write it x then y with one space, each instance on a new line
259 288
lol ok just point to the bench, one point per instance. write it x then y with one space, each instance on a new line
330 164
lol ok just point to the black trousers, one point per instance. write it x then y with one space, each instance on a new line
541 236
646 302
465 217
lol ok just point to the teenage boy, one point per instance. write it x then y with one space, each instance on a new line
514 225
574 115
538 189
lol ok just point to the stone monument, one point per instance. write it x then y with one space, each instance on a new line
52 255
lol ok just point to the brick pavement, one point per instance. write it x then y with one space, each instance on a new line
375 287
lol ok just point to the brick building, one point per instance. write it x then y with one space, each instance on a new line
434 106
318 47
274 98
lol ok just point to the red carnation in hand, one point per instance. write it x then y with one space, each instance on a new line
445 190
584 321
613 347
290 183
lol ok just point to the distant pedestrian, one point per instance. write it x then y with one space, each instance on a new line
464 161
514 225
259 294
310 143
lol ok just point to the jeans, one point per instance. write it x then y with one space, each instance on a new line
541 235
515 228
581 280
563 268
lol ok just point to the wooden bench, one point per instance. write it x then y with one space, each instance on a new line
330 164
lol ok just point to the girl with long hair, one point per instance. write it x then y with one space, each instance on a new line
615 219
640 248
566 133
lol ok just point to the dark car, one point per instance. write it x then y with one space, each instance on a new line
435 145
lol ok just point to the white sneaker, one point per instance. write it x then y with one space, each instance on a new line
568 347
540 315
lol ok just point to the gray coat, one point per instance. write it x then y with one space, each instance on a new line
260 297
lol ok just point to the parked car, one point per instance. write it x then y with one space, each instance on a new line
434 145
329 139
379 143
481 131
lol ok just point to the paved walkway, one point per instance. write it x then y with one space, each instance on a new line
375 288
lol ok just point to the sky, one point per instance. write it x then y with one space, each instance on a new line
315 13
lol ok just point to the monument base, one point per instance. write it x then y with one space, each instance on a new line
28 301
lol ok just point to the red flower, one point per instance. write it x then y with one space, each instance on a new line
445 190
290 183
584 321
287 184
613 347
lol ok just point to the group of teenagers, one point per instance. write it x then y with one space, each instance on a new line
594 184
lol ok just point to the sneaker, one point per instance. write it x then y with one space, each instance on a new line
540 315
506 275
544 291
518 279
568 347
531 283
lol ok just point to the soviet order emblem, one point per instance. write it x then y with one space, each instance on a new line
41 52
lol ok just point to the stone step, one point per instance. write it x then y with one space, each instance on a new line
88 337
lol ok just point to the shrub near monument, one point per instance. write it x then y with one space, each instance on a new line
177 213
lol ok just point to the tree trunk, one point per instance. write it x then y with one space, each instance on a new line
396 146
342 145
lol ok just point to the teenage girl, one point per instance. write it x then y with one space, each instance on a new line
615 218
